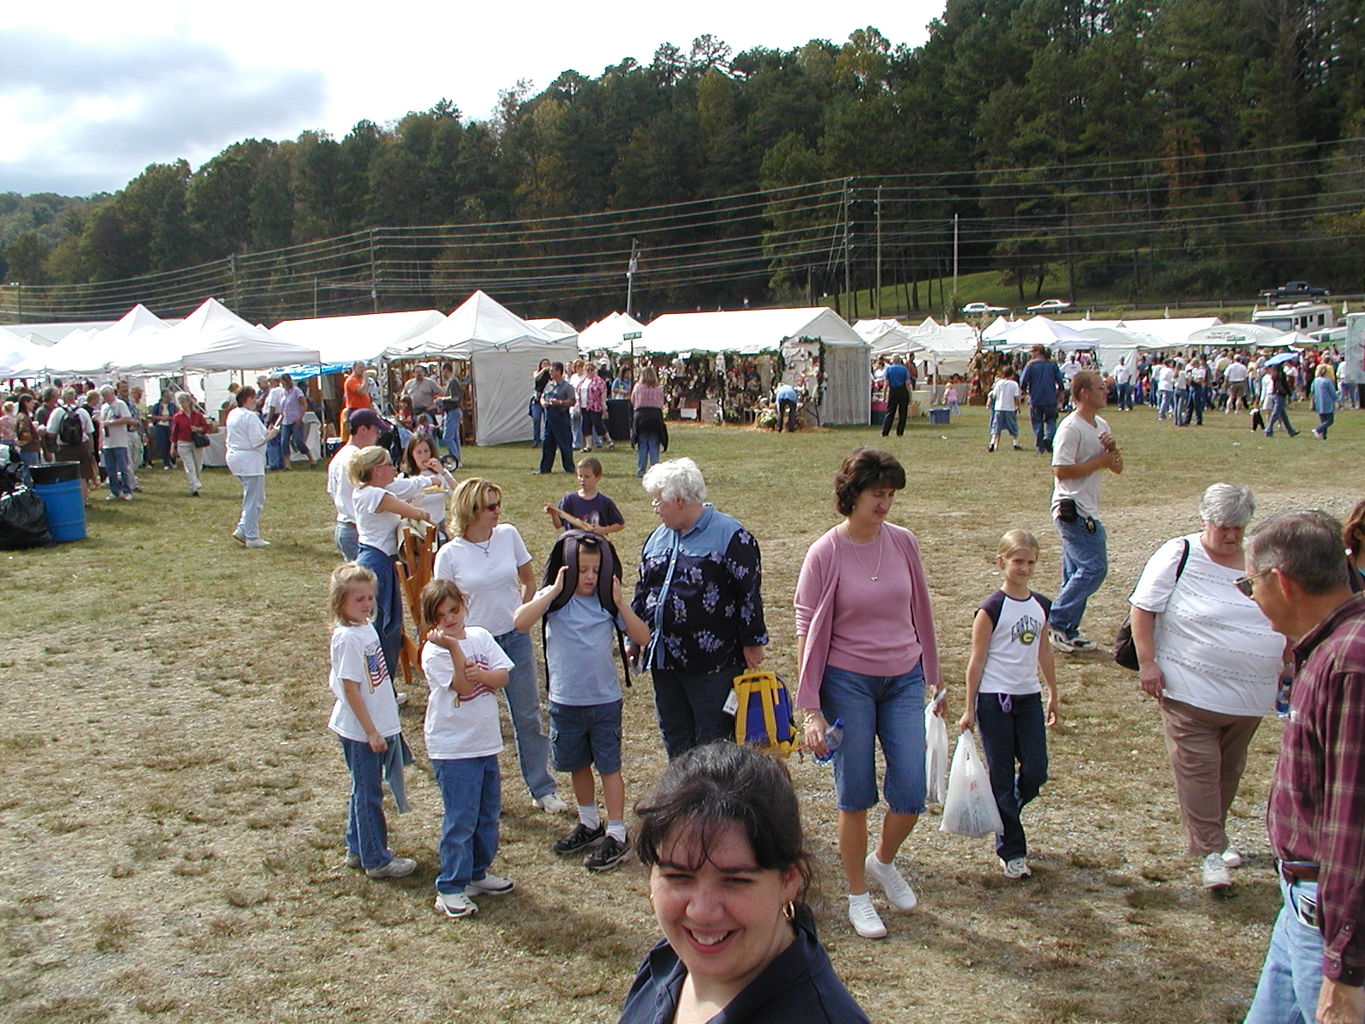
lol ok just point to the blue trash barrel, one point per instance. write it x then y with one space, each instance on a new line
59 485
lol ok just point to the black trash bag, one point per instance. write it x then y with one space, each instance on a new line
13 473
23 520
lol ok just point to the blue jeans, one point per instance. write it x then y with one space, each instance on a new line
1292 976
1085 563
274 452
889 709
450 432
1325 420
691 707
523 703
557 437
537 418
1278 415
1006 422
471 790
162 434
116 465
1044 419
1012 732
1125 396
388 604
646 452
294 437
576 426
347 539
253 500
1165 403
367 833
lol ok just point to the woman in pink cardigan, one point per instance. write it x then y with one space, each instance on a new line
866 649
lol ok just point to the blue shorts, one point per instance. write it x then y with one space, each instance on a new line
585 735
877 709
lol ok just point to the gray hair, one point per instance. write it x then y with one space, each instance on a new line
676 480
108 389
1227 505
1305 546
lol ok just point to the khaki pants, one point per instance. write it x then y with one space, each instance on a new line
1208 752
192 459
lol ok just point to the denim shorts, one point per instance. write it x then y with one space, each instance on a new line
586 735
885 709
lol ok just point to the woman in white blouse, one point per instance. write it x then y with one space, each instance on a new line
381 501
246 439
1212 661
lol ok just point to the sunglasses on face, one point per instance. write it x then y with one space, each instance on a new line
492 506
1246 584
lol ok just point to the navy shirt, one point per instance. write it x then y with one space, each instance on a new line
700 593
599 510
1041 379
799 985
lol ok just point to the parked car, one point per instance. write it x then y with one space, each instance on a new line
983 307
1050 306
1293 290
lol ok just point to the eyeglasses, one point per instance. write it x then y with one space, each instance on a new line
492 506
1244 583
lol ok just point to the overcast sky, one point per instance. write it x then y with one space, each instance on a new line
91 93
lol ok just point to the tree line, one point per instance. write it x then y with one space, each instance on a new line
1143 148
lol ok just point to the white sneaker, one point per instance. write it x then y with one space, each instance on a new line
1059 641
456 904
1215 872
395 868
864 917
898 891
490 885
1016 867
1232 858
400 698
551 803
256 542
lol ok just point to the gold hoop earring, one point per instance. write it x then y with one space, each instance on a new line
789 911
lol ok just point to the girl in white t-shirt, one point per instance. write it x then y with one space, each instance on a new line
365 717
1004 696
465 668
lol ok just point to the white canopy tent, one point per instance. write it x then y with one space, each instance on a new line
607 334
79 352
1167 332
948 348
344 339
131 335
555 326
20 357
1237 335
215 338
1040 330
796 333
888 337
503 351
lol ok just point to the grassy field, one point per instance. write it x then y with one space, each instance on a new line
174 804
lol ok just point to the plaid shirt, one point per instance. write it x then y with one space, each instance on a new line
1317 799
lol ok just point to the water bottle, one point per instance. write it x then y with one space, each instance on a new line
834 735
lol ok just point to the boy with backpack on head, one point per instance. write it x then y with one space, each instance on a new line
581 604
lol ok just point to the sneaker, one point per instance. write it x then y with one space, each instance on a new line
990 447
1080 643
1018 447
110 497
898 891
579 839
400 698
256 542
126 496
864 917
1232 858
456 904
1016 867
239 536
490 885
396 868
610 853
1060 641
1215 872
352 859
550 803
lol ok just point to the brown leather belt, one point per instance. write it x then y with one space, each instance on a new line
1299 872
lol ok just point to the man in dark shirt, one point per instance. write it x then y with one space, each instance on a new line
1041 380
557 399
1315 967
897 395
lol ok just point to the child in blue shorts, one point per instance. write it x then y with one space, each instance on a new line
465 669
585 699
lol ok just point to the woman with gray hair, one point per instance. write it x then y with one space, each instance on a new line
1212 661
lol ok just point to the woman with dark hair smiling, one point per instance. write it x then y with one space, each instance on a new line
865 649
728 875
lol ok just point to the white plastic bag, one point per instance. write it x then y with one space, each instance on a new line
935 756
969 808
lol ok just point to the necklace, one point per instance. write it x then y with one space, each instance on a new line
880 541
483 547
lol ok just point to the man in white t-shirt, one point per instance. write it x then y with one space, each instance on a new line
116 418
1082 450
1123 383
365 427
272 411
1164 375
1235 381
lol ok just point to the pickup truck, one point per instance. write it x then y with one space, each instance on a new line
1293 290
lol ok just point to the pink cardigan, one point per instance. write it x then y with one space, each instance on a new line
815 596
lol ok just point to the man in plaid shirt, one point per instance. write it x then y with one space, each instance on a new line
1315 967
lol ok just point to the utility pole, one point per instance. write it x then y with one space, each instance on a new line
954 257
374 275
877 306
848 276
631 268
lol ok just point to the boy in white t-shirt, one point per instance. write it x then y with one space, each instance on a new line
585 697
1004 402
465 668
365 716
